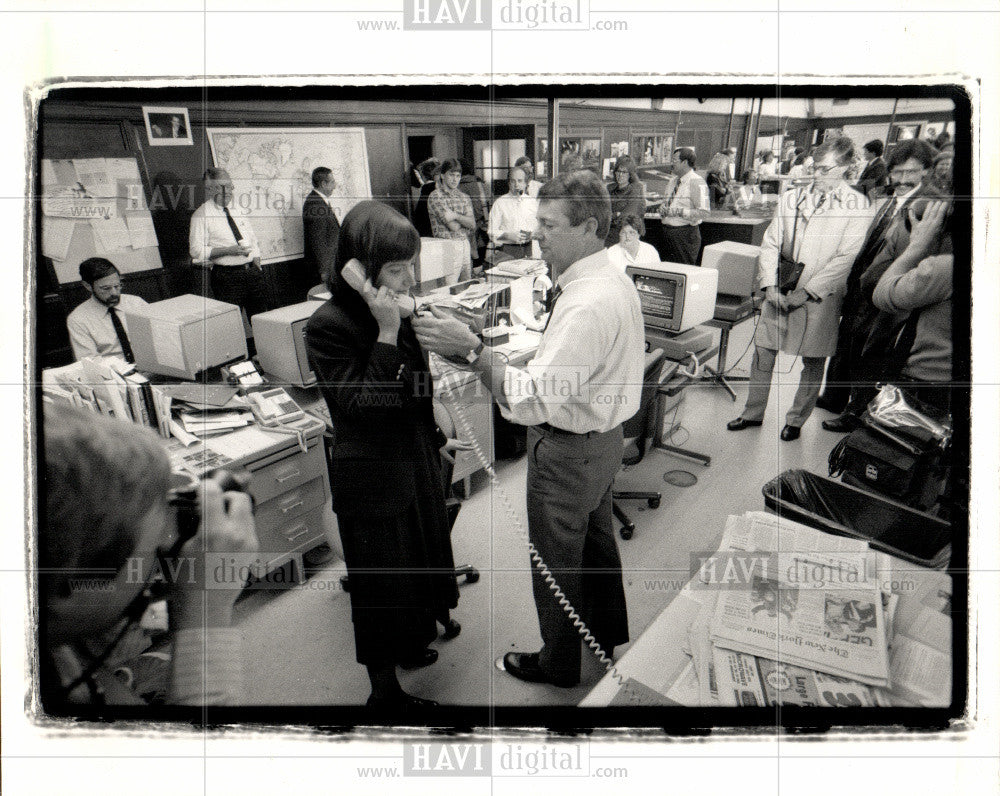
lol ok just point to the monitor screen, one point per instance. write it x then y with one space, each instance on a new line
674 297
657 295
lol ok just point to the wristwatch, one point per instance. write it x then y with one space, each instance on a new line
473 355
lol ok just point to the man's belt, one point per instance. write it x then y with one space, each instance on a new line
560 432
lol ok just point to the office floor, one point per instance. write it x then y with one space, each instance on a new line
299 643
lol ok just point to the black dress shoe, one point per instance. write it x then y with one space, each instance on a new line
788 433
524 666
451 630
740 423
423 658
842 424
400 701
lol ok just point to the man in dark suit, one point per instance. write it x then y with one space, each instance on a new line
321 231
850 374
876 174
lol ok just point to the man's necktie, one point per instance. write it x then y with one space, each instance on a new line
122 335
673 193
886 218
553 298
232 225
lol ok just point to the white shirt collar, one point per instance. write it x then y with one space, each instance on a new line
579 268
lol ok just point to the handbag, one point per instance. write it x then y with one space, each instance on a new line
789 269
789 273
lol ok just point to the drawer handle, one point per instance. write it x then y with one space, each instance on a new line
290 476
295 505
293 536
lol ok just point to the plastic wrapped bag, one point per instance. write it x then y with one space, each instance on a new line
891 410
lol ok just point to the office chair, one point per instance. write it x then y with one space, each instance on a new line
452 504
638 429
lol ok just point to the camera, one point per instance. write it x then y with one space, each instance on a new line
183 496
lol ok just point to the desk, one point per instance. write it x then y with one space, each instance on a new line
289 486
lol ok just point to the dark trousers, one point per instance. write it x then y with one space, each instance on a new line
240 285
570 525
681 244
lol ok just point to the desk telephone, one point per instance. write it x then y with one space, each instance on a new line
274 407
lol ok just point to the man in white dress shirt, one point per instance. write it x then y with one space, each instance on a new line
97 328
513 218
224 242
584 382
686 206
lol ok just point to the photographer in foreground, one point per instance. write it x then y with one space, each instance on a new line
107 518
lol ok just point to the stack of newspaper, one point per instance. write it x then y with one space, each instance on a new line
800 598
515 269
793 616
783 614
790 615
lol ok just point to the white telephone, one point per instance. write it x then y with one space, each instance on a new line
354 275
273 407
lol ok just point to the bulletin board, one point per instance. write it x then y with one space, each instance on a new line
96 207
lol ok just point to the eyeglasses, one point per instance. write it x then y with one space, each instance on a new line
906 172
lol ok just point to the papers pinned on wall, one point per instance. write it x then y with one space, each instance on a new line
111 234
57 233
141 233
94 175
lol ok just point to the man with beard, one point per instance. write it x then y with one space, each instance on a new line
851 375
97 328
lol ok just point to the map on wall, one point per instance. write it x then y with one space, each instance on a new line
272 168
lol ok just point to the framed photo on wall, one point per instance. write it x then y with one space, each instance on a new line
167 126
590 149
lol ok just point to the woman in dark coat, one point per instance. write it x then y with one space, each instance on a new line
386 477
628 198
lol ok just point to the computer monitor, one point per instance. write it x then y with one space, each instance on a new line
185 335
279 336
674 297
736 264
440 260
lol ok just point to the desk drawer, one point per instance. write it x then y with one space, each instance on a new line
299 533
280 510
269 482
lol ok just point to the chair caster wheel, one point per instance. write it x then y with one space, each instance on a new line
626 531
653 503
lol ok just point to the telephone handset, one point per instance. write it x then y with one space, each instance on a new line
354 275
